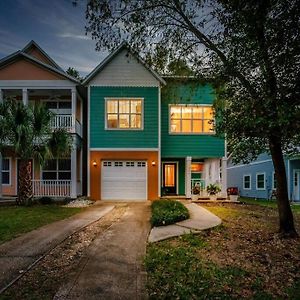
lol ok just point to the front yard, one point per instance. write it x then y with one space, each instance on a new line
15 220
242 258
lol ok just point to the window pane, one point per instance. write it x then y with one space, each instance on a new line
65 105
175 126
208 126
196 167
186 113
112 121
197 112
261 181
50 165
247 182
136 121
123 106
5 177
49 176
136 106
186 126
197 126
64 164
175 112
51 104
207 112
5 164
64 175
112 106
169 175
124 121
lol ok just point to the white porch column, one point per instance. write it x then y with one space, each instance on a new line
74 97
25 96
188 176
74 171
224 176
1 95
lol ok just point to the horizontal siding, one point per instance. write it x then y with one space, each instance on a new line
197 146
124 70
101 138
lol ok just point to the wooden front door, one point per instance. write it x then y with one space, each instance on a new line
170 178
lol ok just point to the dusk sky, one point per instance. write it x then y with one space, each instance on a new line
56 25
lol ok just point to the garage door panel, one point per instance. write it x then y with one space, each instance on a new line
125 180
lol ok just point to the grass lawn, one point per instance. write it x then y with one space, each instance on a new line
242 258
15 220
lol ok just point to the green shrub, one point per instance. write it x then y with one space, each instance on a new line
166 212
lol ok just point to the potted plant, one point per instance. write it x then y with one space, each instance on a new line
195 192
212 190
233 193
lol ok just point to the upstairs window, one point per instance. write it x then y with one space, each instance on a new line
124 113
191 119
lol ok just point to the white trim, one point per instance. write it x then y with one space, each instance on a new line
264 188
88 142
273 180
250 182
250 164
124 149
118 113
25 96
159 141
177 169
36 84
188 133
10 169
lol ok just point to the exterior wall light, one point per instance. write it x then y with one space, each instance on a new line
94 163
153 163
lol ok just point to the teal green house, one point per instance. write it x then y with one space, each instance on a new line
149 136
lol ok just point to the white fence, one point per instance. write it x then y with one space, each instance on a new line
52 188
63 121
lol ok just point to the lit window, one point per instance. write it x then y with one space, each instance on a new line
191 119
5 171
196 167
260 181
57 169
124 114
247 182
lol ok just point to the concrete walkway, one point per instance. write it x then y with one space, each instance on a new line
200 219
112 268
17 255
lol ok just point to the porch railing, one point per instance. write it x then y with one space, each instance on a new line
51 188
63 121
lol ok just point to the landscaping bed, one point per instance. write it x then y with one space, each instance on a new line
166 212
242 258
16 220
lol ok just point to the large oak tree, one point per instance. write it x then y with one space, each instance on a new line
251 46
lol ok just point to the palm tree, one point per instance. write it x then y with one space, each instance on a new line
26 130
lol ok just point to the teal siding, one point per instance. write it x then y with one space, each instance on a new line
101 138
181 145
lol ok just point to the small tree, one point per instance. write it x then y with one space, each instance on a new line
74 73
26 130
252 45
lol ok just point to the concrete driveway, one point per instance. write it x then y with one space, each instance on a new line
112 268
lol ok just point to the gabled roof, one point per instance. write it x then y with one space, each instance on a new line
110 57
10 58
33 44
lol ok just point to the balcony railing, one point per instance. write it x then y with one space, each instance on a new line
66 122
51 188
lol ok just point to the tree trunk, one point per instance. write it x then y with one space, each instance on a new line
286 220
25 193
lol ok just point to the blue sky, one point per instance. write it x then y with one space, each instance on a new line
56 25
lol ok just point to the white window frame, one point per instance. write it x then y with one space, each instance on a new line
273 181
264 188
245 175
189 133
9 161
124 98
56 171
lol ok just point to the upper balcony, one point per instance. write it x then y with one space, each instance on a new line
65 104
